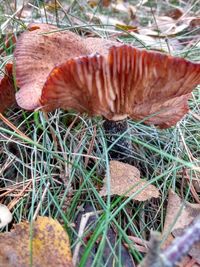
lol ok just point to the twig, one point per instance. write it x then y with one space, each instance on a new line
83 224
12 126
40 203
176 251
91 145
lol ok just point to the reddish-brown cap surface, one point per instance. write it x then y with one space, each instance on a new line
7 89
124 82
37 51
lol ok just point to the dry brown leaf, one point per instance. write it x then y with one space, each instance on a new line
174 13
123 27
107 20
151 39
195 22
45 243
187 214
52 6
7 89
125 181
167 26
94 3
125 82
121 7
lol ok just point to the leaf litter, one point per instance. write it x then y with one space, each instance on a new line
43 243
125 181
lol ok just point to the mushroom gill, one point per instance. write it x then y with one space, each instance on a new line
125 82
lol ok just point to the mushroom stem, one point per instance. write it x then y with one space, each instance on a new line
118 140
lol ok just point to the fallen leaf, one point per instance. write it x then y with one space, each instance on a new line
94 3
195 22
174 13
169 27
107 20
52 6
121 7
44 243
5 216
86 223
7 89
125 181
129 28
188 212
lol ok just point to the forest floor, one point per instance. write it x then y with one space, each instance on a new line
58 171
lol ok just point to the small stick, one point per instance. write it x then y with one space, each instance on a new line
176 251
40 203
12 126
182 245
83 224
91 145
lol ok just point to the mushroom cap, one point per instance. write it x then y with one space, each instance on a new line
7 88
37 52
123 82
99 45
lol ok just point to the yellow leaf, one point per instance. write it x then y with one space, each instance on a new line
52 6
126 27
42 243
125 180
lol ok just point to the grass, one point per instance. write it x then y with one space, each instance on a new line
62 168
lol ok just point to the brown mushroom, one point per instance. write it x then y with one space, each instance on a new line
38 50
124 82
58 69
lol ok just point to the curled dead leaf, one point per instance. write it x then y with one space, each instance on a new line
125 181
195 22
174 13
44 243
